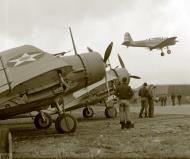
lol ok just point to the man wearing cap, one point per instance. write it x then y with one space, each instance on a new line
151 101
125 93
144 94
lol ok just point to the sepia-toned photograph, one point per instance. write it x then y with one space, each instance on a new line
94 79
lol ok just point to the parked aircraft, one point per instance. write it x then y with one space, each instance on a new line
31 80
153 43
99 92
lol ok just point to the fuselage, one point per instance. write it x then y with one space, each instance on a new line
40 91
151 43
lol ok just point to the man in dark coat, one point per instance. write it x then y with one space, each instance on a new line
173 99
144 94
124 93
151 101
179 99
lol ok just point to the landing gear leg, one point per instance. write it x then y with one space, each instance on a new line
65 123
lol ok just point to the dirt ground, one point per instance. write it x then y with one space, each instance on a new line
164 136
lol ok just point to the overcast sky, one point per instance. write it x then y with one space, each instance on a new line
95 23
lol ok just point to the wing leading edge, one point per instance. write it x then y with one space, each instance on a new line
24 63
166 42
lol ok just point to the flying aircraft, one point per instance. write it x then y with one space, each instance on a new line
31 80
153 43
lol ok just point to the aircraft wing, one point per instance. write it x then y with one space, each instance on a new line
90 88
165 42
89 95
23 63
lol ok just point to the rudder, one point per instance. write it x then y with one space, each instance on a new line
127 39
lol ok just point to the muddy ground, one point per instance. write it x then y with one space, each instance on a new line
164 136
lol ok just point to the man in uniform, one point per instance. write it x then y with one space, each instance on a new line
165 100
179 99
161 100
173 99
144 94
151 101
124 93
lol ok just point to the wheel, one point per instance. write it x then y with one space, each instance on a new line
110 112
88 112
42 123
65 123
162 54
169 51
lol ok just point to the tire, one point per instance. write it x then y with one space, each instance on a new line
88 112
40 124
169 51
162 54
110 112
65 123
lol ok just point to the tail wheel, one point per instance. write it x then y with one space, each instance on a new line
162 54
110 112
65 123
88 112
42 122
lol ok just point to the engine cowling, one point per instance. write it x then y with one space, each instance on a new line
88 68
120 73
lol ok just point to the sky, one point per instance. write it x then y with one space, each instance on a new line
95 23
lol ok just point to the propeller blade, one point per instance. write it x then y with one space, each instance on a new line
121 62
136 77
108 52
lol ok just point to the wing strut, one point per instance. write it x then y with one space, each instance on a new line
6 76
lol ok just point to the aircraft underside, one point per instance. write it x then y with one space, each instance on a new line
162 52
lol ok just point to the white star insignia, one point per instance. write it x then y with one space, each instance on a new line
25 58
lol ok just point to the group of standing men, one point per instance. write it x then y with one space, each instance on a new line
178 98
125 93
147 101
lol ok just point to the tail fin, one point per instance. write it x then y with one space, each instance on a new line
127 39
